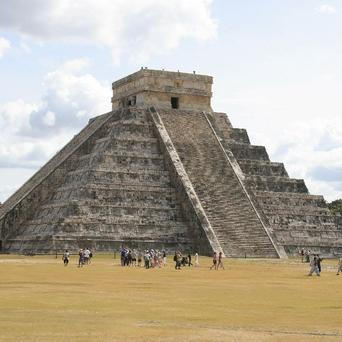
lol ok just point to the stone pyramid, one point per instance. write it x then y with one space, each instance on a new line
162 170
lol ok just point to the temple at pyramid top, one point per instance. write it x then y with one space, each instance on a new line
163 89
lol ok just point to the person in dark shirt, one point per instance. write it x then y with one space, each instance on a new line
189 260
319 260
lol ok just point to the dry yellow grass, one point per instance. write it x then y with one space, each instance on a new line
252 300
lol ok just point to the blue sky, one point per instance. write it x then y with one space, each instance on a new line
276 66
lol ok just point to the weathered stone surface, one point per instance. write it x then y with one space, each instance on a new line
294 218
162 170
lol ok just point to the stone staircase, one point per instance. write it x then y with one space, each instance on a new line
294 218
227 206
119 193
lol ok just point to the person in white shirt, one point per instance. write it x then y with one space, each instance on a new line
86 255
196 260
65 257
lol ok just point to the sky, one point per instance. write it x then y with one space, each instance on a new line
276 66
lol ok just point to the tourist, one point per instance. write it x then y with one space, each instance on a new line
319 260
80 259
147 259
189 260
307 255
86 254
139 259
122 256
184 261
214 261
302 253
339 269
164 258
128 258
134 258
156 259
219 262
196 260
65 257
178 260
314 266
90 255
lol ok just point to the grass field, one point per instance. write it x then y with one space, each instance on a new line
252 300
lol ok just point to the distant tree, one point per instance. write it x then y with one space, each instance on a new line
335 206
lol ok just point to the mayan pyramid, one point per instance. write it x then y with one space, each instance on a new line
163 170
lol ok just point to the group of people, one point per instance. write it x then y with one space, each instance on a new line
315 262
84 257
315 265
217 261
152 258
155 258
181 260
305 254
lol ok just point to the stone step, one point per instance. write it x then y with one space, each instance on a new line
275 184
262 168
118 177
121 198
272 202
112 191
77 223
144 146
246 151
132 129
142 202
116 214
272 210
239 135
127 160
301 218
325 226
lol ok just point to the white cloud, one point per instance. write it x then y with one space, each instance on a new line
25 47
70 98
312 150
4 46
139 28
49 118
75 65
326 9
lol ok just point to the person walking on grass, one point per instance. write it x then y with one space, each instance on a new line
65 257
90 256
319 260
189 260
213 266
81 258
219 262
339 269
86 254
302 253
314 266
196 260
164 258
178 260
